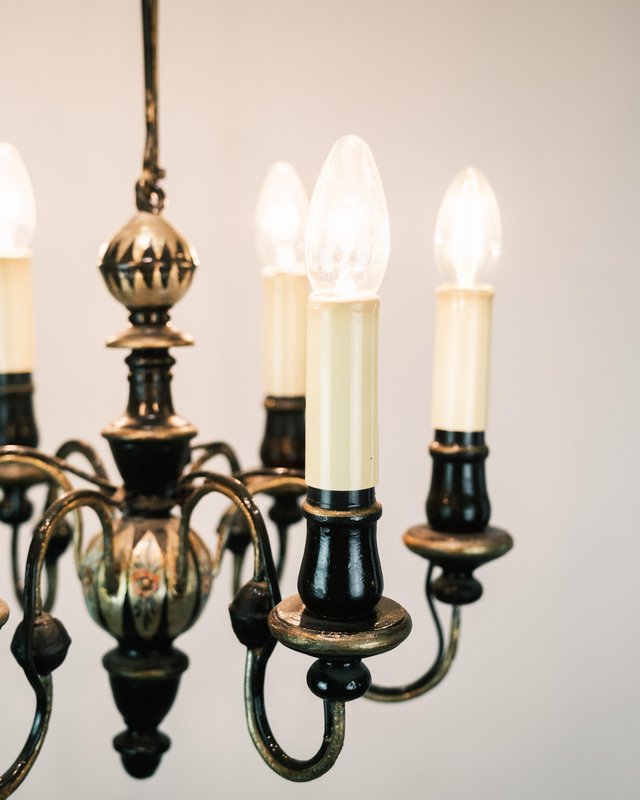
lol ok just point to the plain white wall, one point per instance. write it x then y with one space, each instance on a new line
544 97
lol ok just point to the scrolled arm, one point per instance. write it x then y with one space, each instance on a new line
273 755
213 449
41 642
441 665
249 612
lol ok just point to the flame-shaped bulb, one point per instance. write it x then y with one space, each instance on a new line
17 203
281 214
348 225
468 234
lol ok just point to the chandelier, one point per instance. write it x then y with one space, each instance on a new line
147 575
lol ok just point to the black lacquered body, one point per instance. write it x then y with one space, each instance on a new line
340 575
17 420
283 443
458 501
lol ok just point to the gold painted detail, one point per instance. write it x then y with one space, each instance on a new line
436 546
148 263
295 627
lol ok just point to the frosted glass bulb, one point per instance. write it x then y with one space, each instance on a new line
17 203
468 235
281 214
348 225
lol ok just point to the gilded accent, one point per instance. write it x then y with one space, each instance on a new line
148 264
350 515
295 627
436 546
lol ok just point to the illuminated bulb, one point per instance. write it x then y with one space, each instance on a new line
17 204
468 234
348 225
280 219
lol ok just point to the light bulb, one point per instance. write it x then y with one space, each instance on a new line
348 225
468 234
281 214
17 203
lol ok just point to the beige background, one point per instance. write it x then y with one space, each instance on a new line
544 97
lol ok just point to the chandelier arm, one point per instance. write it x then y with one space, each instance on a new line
441 665
52 469
288 475
213 449
273 755
263 564
84 449
52 466
16 572
285 510
18 771
41 642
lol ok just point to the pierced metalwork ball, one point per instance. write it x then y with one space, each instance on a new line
148 264
142 601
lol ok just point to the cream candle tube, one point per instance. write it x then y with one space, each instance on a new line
16 314
461 360
342 394
284 333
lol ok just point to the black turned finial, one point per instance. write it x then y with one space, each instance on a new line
144 687
458 501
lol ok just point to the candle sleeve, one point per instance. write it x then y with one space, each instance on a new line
16 315
461 359
342 394
285 332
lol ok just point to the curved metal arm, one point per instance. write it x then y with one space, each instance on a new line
283 521
275 757
257 657
33 607
16 572
240 496
53 468
439 668
213 449
84 449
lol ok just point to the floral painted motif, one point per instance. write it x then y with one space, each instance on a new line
147 585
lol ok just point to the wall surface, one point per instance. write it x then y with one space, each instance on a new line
544 97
